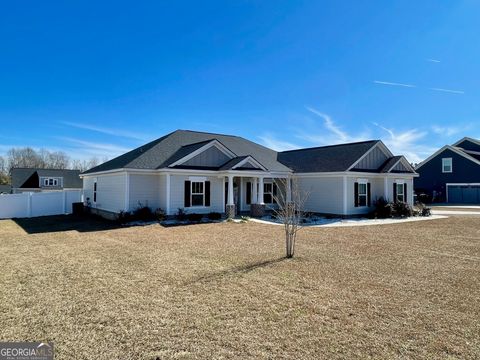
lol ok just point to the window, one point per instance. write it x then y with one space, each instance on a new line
51 181
362 194
400 192
95 192
198 193
447 165
268 193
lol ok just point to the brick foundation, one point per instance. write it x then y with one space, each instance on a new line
257 210
230 211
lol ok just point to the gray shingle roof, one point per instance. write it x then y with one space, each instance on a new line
326 158
168 149
162 152
71 178
229 164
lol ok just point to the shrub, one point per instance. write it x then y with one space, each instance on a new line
423 209
402 209
426 211
124 217
214 216
383 209
143 213
181 215
195 217
159 214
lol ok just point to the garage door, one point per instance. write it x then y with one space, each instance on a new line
464 194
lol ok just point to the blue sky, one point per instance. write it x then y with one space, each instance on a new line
99 78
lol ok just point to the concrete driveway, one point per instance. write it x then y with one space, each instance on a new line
445 209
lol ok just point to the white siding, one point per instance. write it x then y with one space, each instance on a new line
88 188
408 181
325 194
144 190
376 192
162 189
177 193
110 191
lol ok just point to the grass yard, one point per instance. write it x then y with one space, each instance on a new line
220 291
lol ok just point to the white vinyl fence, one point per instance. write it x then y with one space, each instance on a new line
38 204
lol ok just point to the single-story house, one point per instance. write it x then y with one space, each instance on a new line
39 180
452 174
203 172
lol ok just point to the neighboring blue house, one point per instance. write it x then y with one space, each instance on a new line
452 174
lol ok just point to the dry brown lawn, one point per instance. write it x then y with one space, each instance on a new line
221 291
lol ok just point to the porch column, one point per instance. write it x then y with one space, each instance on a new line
254 191
230 190
230 207
260 191
289 190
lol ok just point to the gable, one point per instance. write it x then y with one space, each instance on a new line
400 167
249 165
463 171
211 157
373 160
468 145
31 183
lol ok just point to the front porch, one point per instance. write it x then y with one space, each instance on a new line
254 194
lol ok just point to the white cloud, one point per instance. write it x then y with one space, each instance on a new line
447 130
108 131
393 84
272 142
448 90
330 125
407 143
433 60
87 148
330 135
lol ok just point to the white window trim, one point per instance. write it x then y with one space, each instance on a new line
56 181
362 182
95 192
443 165
202 193
265 193
403 191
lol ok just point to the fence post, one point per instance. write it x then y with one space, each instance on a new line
64 201
29 204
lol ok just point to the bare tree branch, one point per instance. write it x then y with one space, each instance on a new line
291 204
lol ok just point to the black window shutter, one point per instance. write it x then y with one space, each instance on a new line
187 193
207 193
356 194
395 192
405 192
369 195
274 191
249 193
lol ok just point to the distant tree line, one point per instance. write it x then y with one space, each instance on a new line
41 159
